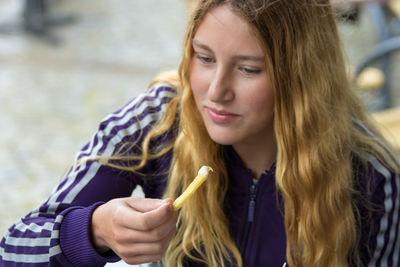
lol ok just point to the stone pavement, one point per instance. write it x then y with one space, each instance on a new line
53 96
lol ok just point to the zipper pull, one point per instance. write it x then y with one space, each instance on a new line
252 202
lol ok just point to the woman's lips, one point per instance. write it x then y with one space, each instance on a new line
221 116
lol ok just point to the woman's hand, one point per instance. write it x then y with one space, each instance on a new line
137 229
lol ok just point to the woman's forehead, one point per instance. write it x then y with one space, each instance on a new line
221 26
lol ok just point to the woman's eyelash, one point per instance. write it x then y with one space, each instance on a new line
208 60
250 70
205 59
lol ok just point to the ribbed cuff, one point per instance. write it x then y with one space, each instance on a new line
75 239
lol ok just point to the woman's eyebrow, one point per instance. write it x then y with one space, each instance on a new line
249 58
198 44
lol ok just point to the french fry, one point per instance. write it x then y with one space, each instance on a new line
200 178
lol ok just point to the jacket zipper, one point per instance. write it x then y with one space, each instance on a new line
250 217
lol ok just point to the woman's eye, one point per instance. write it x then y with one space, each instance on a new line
247 70
205 59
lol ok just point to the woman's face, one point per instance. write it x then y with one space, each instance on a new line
229 80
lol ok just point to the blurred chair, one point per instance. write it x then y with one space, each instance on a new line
386 20
38 21
374 72
389 122
34 16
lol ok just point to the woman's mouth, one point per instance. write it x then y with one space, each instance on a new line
221 116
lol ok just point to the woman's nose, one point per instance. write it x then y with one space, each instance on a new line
220 89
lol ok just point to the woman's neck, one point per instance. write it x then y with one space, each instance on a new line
257 157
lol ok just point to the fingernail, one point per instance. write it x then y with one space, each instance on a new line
169 208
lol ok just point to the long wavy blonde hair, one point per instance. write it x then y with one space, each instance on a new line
316 122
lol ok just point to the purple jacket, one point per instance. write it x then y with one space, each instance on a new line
57 233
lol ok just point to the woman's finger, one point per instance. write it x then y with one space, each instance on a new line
146 221
146 204
154 235
135 250
139 259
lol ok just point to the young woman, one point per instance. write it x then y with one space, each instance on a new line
301 175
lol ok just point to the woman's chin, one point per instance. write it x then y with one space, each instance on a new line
223 139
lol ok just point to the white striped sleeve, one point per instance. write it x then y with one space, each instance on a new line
387 241
36 240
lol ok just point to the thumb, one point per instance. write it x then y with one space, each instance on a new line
146 204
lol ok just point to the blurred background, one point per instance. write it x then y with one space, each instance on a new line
66 64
